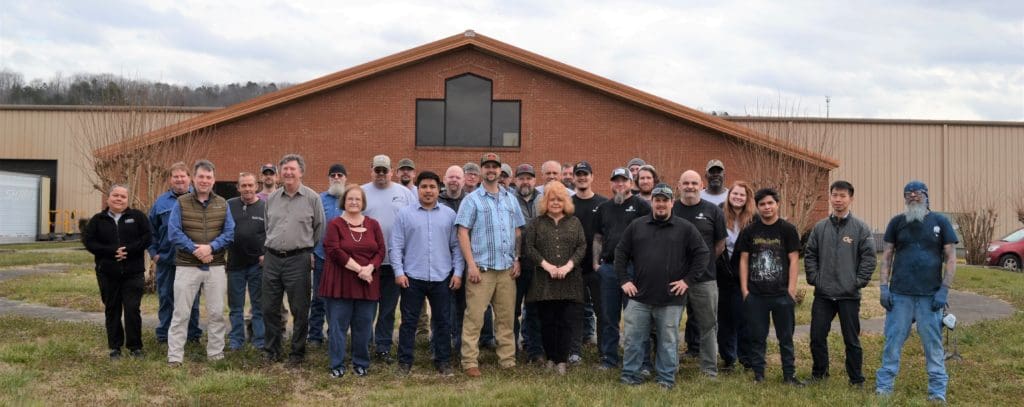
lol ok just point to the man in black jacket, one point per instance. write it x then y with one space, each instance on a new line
668 254
839 259
245 262
118 237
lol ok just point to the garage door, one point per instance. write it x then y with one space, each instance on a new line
19 207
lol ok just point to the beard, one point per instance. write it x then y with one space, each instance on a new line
525 190
406 181
916 212
568 184
336 189
620 197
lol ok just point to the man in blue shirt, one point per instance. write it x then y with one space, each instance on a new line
336 179
489 220
915 288
424 250
162 252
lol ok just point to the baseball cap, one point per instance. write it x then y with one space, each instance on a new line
268 167
636 161
381 161
916 185
337 169
714 163
471 168
405 162
582 166
506 169
525 169
662 190
621 172
490 157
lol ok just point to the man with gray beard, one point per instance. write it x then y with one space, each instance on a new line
914 288
337 177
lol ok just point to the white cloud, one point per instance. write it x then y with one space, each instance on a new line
876 59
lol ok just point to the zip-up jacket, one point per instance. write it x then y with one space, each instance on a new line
159 215
193 222
102 236
662 251
839 257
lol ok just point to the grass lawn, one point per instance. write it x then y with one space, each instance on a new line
28 258
47 362
75 289
41 245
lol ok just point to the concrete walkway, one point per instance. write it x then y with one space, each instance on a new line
969 308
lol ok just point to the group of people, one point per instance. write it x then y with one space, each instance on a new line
502 262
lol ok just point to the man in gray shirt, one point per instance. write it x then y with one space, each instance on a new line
383 201
295 223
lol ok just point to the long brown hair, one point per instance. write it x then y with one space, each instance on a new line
743 215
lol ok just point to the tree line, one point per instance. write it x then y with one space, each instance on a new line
115 90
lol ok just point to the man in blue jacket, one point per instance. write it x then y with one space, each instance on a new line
162 252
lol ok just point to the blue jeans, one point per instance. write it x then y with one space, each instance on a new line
638 317
384 330
905 310
238 280
341 316
316 305
165 295
439 295
613 300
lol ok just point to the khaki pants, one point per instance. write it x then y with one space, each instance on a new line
497 288
187 281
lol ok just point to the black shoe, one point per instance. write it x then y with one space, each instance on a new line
727 368
136 353
490 345
758 377
360 371
115 354
404 369
337 373
270 357
294 361
815 378
793 381
445 370
630 382
384 357
193 340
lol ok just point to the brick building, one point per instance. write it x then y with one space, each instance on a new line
449 101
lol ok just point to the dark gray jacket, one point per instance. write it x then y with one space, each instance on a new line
839 257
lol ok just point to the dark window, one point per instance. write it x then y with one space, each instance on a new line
467 117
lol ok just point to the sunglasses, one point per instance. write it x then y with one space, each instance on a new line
381 170
337 175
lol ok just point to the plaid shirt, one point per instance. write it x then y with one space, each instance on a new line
492 220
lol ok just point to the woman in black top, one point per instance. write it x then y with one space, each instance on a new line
739 213
117 237
555 242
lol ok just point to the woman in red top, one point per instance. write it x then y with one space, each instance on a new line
350 286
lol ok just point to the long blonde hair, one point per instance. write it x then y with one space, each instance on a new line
743 216
555 189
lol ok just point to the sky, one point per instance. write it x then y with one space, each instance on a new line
945 60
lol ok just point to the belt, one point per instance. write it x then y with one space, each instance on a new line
288 253
485 269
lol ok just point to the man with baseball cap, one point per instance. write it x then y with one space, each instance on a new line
610 220
489 222
337 178
715 192
407 173
586 203
384 199
268 180
667 253
914 287
471 174
506 175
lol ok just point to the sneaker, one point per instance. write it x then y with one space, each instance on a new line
936 400
136 353
337 373
214 358
645 372
666 385
115 354
793 381
445 370
404 369
561 369
575 359
473 372
173 364
360 371
384 357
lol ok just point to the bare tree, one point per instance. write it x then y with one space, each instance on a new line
975 213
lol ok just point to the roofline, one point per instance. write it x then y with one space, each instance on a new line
855 120
109 108
490 46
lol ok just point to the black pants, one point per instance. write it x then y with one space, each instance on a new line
781 310
557 326
823 311
691 333
121 295
291 275
732 344
527 324
592 296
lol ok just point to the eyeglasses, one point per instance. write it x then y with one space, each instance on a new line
337 175
909 194
381 170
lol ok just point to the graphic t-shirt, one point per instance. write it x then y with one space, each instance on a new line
710 221
918 254
768 247
611 220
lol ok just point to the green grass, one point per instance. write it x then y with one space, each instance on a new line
75 288
41 245
28 258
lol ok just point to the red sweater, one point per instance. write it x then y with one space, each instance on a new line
339 246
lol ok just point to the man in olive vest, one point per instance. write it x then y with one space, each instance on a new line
201 228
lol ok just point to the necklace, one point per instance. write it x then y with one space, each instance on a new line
352 234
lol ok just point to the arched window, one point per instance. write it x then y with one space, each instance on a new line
467 116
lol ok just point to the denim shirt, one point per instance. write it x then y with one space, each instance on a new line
331 211
159 217
492 220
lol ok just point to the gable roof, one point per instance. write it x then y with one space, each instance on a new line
487 45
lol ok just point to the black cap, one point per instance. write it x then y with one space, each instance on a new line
268 167
337 169
583 166
621 172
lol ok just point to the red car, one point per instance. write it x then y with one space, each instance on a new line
1008 251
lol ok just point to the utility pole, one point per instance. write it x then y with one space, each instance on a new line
828 101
